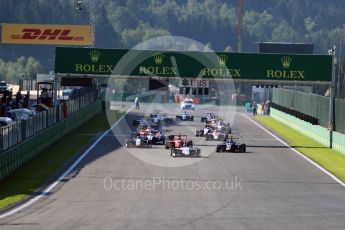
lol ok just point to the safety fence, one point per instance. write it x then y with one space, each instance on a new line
29 148
312 105
12 135
316 132
339 108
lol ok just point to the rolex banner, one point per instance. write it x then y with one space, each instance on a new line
219 65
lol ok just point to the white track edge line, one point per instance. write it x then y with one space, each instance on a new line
299 153
62 177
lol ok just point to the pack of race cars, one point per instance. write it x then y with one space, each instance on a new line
152 131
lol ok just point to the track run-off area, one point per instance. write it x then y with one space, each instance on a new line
112 187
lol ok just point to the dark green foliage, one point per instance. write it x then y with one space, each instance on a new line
125 23
11 71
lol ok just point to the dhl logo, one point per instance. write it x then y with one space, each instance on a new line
47 34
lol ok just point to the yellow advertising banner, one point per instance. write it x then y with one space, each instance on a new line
46 34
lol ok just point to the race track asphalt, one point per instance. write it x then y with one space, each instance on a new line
269 187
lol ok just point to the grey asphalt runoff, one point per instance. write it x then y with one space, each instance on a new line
269 187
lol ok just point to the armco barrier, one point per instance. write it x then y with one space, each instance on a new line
23 152
316 132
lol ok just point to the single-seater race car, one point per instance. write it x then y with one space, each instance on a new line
181 146
223 127
216 135
185 117
148 124
231 145
156 137
212 123
140 121
219 125
202 132
187 150
160 117
209 117
138 141
175 140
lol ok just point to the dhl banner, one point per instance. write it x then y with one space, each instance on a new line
46 34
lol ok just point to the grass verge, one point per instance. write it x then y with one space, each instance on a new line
329 159
26 180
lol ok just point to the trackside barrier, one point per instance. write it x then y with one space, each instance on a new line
339 142
11 135
312 105
28 149
316 132
14 134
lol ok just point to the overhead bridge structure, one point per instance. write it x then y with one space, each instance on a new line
239 67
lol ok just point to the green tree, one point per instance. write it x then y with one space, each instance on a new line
131 37
285 33
11 71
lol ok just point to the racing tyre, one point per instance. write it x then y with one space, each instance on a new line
192 118
172 153
244 148
128 144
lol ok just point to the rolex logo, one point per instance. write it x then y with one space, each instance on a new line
158 58
222 59
94 55
286 61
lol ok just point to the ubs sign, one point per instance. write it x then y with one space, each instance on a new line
194 83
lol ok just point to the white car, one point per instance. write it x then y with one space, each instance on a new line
3 86
4 121
21 114
188 104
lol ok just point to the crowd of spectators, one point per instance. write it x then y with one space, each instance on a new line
9 101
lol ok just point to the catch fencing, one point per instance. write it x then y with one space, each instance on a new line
12 135
316 132
312 105
31 147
